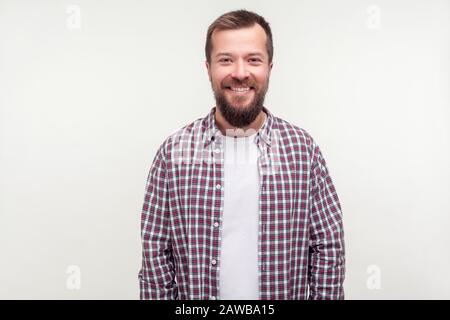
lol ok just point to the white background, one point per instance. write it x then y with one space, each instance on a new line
86 102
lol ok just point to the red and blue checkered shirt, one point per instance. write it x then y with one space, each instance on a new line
301 251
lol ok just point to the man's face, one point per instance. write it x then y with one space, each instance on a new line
239 73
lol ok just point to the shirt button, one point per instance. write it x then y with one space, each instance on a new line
217 151
218 186
213 261
216 224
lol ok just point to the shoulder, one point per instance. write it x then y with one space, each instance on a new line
290 134
183 136
297 141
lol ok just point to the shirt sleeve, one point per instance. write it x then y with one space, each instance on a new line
157 275
326 245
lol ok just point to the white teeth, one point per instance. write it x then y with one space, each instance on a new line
240 89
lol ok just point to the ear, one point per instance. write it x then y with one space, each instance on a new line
208 69
270 67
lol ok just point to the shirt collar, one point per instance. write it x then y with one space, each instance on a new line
212 133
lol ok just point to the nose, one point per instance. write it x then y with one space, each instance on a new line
240 71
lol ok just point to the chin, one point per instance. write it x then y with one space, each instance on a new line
241 106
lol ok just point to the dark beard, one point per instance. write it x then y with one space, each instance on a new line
240 117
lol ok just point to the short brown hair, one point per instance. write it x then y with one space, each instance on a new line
236 20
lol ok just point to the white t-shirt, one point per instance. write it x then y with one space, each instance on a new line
239 244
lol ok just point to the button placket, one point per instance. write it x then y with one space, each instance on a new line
218 158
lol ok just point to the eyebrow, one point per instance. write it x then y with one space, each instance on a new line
229 54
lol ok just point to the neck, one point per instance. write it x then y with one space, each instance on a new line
224 126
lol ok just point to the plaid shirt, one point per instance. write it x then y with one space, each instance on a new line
301 237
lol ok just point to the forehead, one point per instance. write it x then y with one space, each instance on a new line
240 40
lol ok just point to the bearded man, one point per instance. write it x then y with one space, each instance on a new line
240 204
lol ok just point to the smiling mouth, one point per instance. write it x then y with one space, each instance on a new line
239 90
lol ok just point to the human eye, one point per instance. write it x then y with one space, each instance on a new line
225 60
255 60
